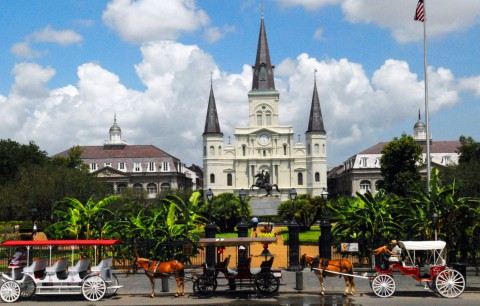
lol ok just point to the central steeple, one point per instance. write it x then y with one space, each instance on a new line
263 70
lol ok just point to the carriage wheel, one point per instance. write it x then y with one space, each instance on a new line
205 286
94 288
10 291
383 285
28 288
266 284
450 283
112 283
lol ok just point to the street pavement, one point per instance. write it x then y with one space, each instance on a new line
139 286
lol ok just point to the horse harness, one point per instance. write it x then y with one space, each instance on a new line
153 272
324 263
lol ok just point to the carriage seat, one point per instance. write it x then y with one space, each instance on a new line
37 268
265 266
222 266
242 268
81 267
59 268
103 268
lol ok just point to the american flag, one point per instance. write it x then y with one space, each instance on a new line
420 12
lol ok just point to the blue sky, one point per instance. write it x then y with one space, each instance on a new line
68 66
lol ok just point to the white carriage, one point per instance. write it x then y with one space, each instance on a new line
423 261
432 271
44 277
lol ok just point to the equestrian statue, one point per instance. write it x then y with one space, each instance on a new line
263 182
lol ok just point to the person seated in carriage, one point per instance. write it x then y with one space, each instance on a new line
19 258
388 256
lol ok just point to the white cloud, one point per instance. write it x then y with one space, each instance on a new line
30 80
308 4
149 20
471 84
215 33
61 37
23 50
318 34
170 112
442 18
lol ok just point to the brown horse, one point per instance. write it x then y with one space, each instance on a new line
321 266
157 269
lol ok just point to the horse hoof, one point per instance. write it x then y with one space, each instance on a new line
176 295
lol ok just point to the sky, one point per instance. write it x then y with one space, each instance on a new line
68 67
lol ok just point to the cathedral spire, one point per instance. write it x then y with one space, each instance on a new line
211 123
315 123
263 69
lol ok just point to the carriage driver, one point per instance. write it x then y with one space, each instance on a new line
389 256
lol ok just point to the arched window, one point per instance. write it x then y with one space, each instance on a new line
204 151
121 188
300 178
284 149
219 150
212 151
212 178
365 185
259 118
263 73
317 177
268 118
317 149
137 186
244 150
166 186
152 188
229 179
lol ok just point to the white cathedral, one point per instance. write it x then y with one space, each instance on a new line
265 145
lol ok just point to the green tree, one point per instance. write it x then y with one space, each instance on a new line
399 164
466 174
225 210
458 216
306 209
74 159
15 156
366 219
41 186
469 150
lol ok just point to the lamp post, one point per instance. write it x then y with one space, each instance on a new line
435 218
34 218
325 239
293 239
243 196
210 232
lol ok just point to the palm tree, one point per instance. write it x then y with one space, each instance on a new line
78 219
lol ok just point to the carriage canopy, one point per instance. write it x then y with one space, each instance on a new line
422 245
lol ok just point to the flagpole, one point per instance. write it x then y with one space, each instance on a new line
427 116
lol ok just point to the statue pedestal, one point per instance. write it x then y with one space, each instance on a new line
266 206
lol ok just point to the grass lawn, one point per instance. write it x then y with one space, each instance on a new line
306 238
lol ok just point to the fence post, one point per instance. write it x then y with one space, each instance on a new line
325 239
294 244
210 232
243 253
